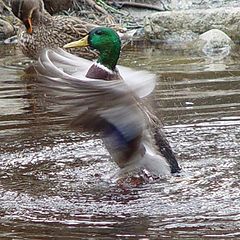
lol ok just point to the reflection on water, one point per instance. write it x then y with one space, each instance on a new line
53 181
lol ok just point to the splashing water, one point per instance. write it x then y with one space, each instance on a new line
53 181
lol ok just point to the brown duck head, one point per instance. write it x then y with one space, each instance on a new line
28 11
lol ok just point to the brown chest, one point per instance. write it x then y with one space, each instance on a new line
100 73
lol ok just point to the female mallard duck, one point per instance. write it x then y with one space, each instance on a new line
108 99
43 30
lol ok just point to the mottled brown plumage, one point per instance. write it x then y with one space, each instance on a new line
42 30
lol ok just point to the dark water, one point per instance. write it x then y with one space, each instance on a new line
53 181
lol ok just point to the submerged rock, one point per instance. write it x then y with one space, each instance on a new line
164 25
214 44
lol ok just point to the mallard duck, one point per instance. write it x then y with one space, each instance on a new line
109 99
42 30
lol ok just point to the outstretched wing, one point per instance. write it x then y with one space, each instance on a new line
64 64
109 107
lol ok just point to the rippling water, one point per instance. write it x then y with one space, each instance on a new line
53 180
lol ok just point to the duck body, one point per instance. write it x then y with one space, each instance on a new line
53 32
41 30
108 99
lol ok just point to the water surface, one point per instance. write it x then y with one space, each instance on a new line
53 180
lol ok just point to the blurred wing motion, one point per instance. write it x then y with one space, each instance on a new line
112 108
63 64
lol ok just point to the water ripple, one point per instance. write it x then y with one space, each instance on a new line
54 182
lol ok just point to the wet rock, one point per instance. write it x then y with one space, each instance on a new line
160 5
163 25
215 44
201 4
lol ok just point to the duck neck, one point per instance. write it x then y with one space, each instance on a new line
109 57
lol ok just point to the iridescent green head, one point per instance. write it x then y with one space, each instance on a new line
106 41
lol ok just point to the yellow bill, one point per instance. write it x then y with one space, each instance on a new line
80 43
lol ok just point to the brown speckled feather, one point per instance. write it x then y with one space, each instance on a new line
41 30
53 32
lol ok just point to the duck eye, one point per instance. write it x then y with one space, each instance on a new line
99 32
